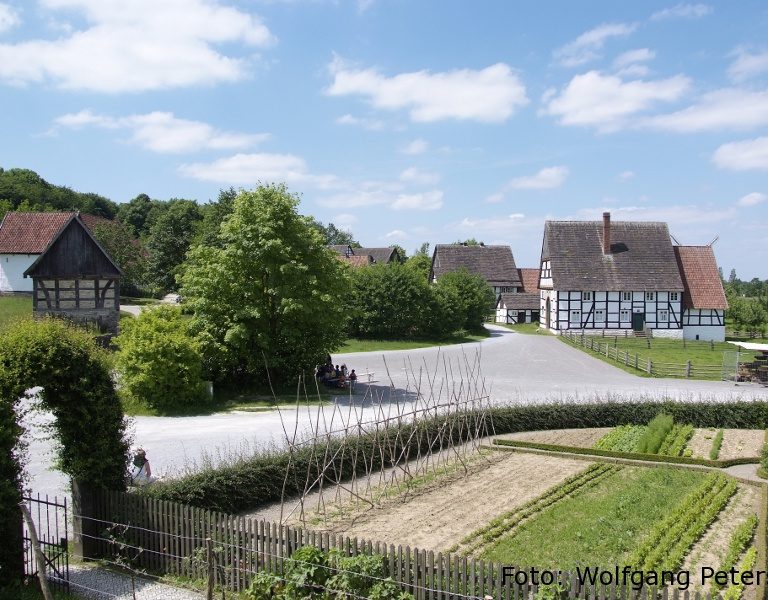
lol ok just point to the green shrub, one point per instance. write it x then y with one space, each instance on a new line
714 452
654 435
158 362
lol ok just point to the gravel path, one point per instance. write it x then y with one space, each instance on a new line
98 584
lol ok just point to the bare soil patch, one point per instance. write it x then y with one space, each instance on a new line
737 443
710 550
580 438
444 513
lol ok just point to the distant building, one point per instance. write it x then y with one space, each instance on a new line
69 273
606 276
361 256
495 264
522 306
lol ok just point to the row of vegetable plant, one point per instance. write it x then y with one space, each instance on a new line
741 538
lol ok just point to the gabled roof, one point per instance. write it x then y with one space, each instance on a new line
379 255
530 279
641 256
703 287
494 263
73 253
356 261
518 301
30 232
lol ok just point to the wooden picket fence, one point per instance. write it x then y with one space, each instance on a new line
634 360
162 537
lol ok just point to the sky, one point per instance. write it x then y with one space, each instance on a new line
407 121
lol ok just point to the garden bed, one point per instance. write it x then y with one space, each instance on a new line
580 438
737 443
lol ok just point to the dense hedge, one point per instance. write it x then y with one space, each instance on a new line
255 482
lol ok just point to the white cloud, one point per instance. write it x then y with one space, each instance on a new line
678 216
586 47
136 46
546 179
249 169
730 108
396 234
633 56
422 201
625 175
743 156
495 198
9 18
163 132
683 11
370 124
748 64
345 220
488 95
513 225
606 101
417 146
752 199
419 177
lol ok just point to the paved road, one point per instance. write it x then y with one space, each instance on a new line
516 367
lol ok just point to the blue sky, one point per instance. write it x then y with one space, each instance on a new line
406 121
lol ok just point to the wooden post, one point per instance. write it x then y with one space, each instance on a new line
712 345
211 568
688 369
86 529
39 557
650 366
637 361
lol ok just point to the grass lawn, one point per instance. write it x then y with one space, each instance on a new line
525 328
665 351
599 526
12 308
365 345
138 301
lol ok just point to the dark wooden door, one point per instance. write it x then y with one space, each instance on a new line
638 321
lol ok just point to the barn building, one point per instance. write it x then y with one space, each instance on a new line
522 306
70 274
494 263
606 276
358 257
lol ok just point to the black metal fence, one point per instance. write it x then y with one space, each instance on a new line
50 518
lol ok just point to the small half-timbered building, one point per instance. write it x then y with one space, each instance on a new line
606 276
704 301
495 264
76 279
523 306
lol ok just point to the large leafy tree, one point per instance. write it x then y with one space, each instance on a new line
332 234
269 294
125 250
469 297
168 240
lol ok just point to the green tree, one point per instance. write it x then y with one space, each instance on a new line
390 302
468 242
158 361
332 234
468 298
214 214
125 250
168 242
134 214
269 295
402 257
421 261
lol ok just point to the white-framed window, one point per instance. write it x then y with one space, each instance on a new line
673 296
624 316
586 296
575 320
663 316
600 316
546 271
626 295
650 296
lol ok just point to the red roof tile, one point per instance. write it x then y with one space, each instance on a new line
30 232
703 287
530 279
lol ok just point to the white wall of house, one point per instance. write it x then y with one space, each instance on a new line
12 267
672 334
705 333
552 296
512 316
603 310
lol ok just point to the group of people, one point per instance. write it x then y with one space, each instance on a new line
336 376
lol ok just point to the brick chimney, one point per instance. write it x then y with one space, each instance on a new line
606 233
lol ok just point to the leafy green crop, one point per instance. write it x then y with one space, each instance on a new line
716 443
741 537
654 435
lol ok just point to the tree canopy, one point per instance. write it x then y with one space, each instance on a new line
268 294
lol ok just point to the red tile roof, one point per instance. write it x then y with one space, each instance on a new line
703 287
530 279
30 232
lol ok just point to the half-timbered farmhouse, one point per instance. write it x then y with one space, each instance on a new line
371 255
522 306
704 302
598 276
71 275
494 263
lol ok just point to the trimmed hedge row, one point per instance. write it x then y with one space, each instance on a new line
254 482
662 458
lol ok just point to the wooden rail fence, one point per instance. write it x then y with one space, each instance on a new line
645 364
166 537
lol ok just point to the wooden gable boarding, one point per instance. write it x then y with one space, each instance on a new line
75 278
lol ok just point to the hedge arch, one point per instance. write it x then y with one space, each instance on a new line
88 426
